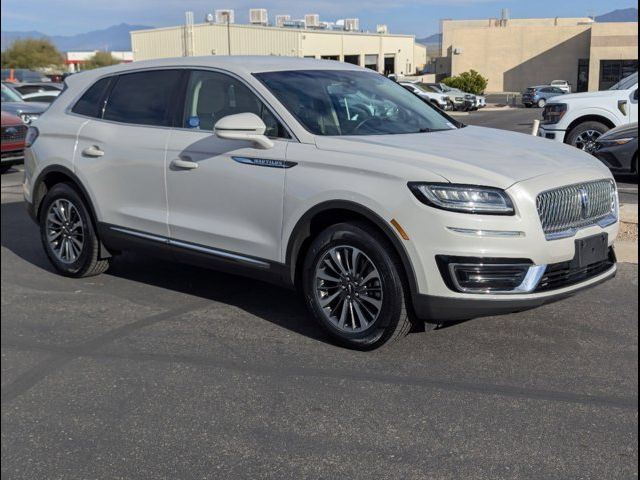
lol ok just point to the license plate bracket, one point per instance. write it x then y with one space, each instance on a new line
592 250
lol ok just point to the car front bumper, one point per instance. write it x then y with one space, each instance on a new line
550 132
486 240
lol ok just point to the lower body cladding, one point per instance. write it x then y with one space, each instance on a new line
480 265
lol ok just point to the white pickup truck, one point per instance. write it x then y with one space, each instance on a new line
579 119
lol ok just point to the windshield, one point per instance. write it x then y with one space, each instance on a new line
343 102
9 95
626 83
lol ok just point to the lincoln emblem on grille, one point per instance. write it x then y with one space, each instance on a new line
11 131
585 203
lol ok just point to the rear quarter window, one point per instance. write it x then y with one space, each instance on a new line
92 102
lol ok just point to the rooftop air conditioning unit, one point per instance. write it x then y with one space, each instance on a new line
352 24
312 20
382 29
281 19
209 18
225 16
258 16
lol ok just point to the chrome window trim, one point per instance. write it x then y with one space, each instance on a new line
72 103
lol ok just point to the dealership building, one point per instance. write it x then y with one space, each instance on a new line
309 38
517 53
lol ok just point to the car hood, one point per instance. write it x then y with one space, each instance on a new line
18 108
470 155
586 95
624 131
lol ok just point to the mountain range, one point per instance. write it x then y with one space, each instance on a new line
117 38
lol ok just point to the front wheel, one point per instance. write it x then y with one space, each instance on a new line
541 103
353 286
584 136
68 235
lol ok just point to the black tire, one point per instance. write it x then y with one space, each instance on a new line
527 105
573 137
392 322
4 169
541 103
88 262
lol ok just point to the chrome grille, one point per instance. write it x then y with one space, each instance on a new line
564 211
13 133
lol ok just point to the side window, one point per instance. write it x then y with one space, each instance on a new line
143 98
92 102
211 96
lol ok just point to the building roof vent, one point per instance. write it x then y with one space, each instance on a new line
282 19
312 20
225 16
352 24
258 16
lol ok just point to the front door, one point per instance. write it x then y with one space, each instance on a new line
225 195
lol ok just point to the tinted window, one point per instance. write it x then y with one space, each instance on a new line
344 102
143 98
91 103
212 96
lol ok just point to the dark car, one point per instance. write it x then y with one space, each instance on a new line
539 95
618 149
13 135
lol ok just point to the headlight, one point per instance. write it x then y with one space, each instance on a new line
613 143
31 137
29 117
553 112
464 198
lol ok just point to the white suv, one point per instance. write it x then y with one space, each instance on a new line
321 175
580 119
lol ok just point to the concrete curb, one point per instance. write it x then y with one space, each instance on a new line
627 251
629 213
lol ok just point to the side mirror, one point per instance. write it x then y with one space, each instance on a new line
243 126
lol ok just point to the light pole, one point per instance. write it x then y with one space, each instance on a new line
227 16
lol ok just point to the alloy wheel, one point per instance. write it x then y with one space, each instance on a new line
65 231
348 289
587 140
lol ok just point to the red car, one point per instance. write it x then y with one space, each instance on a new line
13 135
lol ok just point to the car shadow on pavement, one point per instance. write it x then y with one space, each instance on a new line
280 306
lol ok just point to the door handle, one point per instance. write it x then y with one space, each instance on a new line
184 164
93 151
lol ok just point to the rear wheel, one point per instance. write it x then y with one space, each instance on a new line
67 234
584 135
353 286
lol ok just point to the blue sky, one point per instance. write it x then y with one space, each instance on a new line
419 17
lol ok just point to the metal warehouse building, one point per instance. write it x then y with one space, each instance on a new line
383 52
517 53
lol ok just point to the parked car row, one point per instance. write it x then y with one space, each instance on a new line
13 133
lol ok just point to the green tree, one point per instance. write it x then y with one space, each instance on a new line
31 53
100 59
470 82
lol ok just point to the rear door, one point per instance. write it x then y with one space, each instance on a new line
121 153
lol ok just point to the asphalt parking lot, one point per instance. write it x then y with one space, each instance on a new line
159 370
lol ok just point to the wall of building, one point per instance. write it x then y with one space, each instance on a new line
220 39
611 41
518 55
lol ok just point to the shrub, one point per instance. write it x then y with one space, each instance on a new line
470 82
